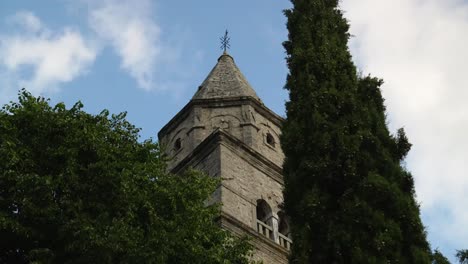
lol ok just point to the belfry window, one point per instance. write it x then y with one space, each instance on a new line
270 140
283 230
264 215
283 226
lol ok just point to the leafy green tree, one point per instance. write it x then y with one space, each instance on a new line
81 188
349 198
439 258
462 256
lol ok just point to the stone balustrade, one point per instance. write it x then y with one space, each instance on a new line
264 229
284 241
267 231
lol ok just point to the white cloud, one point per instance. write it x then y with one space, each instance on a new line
40 59
419 48
131 31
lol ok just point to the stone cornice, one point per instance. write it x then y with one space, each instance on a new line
252 157
198 154
221 102
219 137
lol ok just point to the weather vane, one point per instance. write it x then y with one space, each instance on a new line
225 41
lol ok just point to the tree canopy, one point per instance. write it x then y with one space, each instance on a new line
349 198
82 188
462 256
439 258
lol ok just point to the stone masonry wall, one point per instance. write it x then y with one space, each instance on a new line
244 184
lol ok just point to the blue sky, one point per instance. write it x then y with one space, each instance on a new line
148 58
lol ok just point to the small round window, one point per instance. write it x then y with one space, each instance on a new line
177 144
270 140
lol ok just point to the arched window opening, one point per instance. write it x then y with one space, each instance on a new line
263 211
284 231
177 144
264 214
270 139
283 226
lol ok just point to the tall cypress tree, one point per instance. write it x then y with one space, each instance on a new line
349 198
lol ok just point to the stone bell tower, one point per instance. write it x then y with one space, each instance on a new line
226 131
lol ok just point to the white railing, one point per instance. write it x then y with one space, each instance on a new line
264 229
284 241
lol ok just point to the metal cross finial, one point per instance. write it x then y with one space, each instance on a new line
225 41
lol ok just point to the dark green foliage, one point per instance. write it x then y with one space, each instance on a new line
462 256
80 188
439 258
349 199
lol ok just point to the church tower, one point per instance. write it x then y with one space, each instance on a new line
226 131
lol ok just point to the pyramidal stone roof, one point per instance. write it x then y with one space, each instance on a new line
225 80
